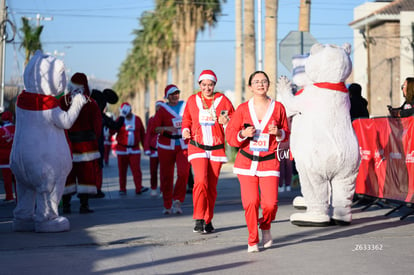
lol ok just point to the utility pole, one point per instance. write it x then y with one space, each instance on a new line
3 16
304 20
304 15
259 36
39 18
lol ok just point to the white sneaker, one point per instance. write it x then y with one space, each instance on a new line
281 189
267 238
252 248
288 188
154 193
166 211
177 207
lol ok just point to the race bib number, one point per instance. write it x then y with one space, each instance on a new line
206 118
130 127
260 142
177 122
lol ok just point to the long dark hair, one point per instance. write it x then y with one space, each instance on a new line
410 89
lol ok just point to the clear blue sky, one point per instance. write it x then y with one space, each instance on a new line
95 35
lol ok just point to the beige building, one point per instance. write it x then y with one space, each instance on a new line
383 51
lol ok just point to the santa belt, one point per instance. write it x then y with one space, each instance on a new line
82 136
153 148
207 147
127 146
257 158
172 136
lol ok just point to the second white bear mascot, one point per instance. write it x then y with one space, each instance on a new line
40 157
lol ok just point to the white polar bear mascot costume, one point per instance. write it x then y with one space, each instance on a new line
323 142
40 157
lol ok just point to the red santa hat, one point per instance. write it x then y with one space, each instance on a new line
125 104
170 89
126 107
81 79
7 116
207 74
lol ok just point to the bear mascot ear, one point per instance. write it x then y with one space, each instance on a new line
110 96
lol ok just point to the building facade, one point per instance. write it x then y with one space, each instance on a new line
383 51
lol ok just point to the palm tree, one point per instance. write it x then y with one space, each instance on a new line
249 40
270 64
165 41
31 39
192 16
238 76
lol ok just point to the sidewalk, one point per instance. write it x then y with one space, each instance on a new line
130 235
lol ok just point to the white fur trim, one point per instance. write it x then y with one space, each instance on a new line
207 155
85 156
129 151
250 172
171 90
239 139
207 76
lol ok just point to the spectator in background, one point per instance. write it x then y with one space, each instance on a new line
6 142
359 105
108 138
172 150
102 99
407 108
150 148
129 138
286 163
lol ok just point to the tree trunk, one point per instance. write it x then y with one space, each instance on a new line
249 42
239 83
190 66
270 62
152 96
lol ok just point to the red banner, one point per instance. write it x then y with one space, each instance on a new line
387 157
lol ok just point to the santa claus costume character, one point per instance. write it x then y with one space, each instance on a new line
83 137
205 116
129 138
172 150
150 148
256 128
6 142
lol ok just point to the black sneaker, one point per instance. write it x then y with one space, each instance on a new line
143 189
98 195
85 210
209 228
199 226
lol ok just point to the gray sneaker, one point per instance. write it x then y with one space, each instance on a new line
199 226
177 207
